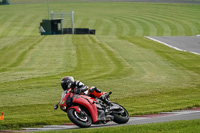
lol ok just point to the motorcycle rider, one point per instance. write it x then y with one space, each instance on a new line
79 88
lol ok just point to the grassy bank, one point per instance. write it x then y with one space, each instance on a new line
144 76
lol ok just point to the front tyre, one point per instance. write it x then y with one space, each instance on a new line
122 117
80 119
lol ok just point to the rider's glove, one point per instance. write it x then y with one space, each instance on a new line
105 99
77 91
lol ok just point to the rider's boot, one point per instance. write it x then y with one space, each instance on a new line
101 116
109 117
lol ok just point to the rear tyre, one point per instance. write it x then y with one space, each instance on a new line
121 118
80 119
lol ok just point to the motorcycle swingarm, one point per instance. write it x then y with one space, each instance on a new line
113 108
118 112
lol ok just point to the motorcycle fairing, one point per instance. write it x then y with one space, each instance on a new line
76 108
66 100
87 102
83 100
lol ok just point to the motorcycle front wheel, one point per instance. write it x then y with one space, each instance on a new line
80 119
121 118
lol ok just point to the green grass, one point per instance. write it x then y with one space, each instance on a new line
144 76
191 126
37 1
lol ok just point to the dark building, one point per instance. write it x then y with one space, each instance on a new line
55 27
4 2
51 27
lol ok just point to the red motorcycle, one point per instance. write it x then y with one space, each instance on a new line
83 110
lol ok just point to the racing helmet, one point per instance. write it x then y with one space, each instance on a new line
66 82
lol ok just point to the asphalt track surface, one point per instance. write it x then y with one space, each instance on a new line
145 119
182 43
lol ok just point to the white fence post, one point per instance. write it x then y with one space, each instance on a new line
72 22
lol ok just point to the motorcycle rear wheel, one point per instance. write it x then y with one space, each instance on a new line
82 120
123 118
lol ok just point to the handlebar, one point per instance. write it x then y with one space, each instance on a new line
109 94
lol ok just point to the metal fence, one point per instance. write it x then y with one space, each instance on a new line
67 19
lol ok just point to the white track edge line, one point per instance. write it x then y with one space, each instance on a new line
170 45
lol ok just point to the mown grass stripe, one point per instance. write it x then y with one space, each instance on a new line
83 23
191 21
52 55
103 63
91 23
170 28
3 21
118 65
25 26
131 27
138 29
183 28
11 25
146 29
98 23
140 23
20 56
186 16
8 53
35 55
58 61
124 27
157 25
107 64
119 27
68 52
7 41
46 54
33 30
185 12
195 26
89 57
192 27
159 61
82 53
152 29
170 24
8 25
110 28
19 26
